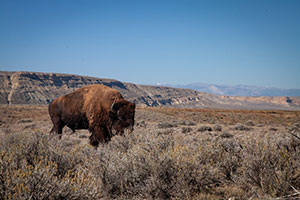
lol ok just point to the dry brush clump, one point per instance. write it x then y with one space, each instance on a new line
145 166
34 167
157 167
272 167
186 129
141 165
241 127
204 128
167 125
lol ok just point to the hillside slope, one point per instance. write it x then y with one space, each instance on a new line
42 88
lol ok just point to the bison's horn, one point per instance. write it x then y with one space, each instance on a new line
112 109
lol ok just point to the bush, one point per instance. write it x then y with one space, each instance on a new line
186 129
226 134
250 123
217 127
273 129
204 128
154 167
167 125
31 167
271 170
241 127
187 123
149 166
141 124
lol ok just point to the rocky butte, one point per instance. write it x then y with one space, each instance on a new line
42 88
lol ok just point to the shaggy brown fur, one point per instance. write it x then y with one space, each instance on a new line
98 108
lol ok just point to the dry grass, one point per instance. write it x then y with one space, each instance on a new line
166 157
231 117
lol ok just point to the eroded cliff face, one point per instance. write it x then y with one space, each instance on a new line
42 88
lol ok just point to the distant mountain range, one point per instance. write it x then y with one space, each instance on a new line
238 90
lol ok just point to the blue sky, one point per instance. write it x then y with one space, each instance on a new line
254 42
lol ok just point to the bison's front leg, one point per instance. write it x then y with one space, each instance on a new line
99 135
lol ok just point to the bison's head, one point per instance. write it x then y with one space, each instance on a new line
122 116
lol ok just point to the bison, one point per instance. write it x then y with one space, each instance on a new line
98 108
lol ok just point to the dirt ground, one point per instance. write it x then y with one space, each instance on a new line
28 118
172 154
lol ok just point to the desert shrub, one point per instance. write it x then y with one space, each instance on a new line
187 123
273 129
217 127
141 124
297 124
271 170
157 167
32 167
230 159
150 165
295 129
204 128
226 134
241 127
83 136
168 131
2 122
186 129
25 121
249 123
167 125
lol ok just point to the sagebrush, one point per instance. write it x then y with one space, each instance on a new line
149 166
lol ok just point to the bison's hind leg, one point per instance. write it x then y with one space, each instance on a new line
58 127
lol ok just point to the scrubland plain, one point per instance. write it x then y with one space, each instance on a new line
172 154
